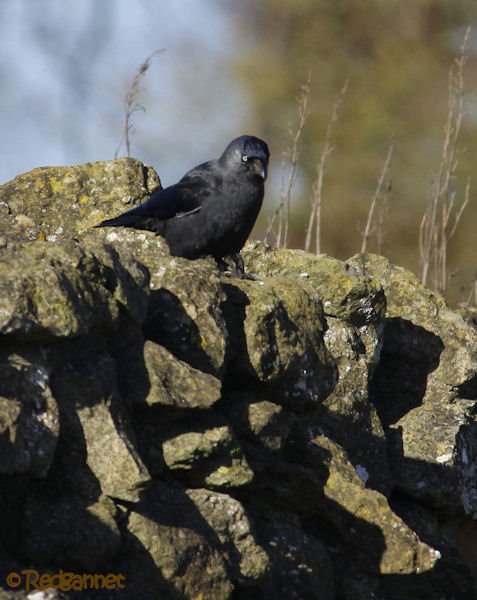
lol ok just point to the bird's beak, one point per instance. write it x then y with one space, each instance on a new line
260 168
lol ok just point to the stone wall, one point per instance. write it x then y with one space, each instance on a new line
309 433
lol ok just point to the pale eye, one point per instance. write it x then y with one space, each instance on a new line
244 158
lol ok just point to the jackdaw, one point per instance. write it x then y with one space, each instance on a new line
212 209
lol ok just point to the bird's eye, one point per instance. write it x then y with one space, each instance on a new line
244 158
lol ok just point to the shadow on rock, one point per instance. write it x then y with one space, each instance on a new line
169 549
236 354
409 354
169 325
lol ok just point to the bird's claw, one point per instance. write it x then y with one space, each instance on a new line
232 266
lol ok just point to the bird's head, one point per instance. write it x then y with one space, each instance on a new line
247 153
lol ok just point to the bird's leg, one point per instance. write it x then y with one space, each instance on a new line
238 264
225 268
232 266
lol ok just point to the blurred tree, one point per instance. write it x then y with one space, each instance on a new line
396 56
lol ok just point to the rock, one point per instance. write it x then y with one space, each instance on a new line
279 339
151 376
29 418
54 203
462 535
347 292
205 453
424 390
325 485
126 277
147 248
66 534
259 421
354 305
347 415
185 314
93 416
176 384
167 529
451 575
50 291
229 520
300 566
309 432
366 521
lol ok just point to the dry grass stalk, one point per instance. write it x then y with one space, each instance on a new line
380 195
472 297
382 214
442 216
283 210
314 221
131 105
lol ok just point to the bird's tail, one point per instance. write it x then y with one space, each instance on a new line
136 221
121 221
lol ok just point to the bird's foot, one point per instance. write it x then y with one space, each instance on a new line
232 266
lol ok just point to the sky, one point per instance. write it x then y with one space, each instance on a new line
65 67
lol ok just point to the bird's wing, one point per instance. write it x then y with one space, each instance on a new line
179 200
183 198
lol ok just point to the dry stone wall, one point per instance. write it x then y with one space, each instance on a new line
306 433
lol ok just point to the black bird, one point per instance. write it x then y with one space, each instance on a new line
212 209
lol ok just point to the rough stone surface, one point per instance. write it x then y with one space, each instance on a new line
300 566
306 433
55 203
175 383
201 452
347 293
86 389
29 417
52 291
282 339
228 518
166 528
185 313
259 421
363 514
347 415
67 534
425 390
